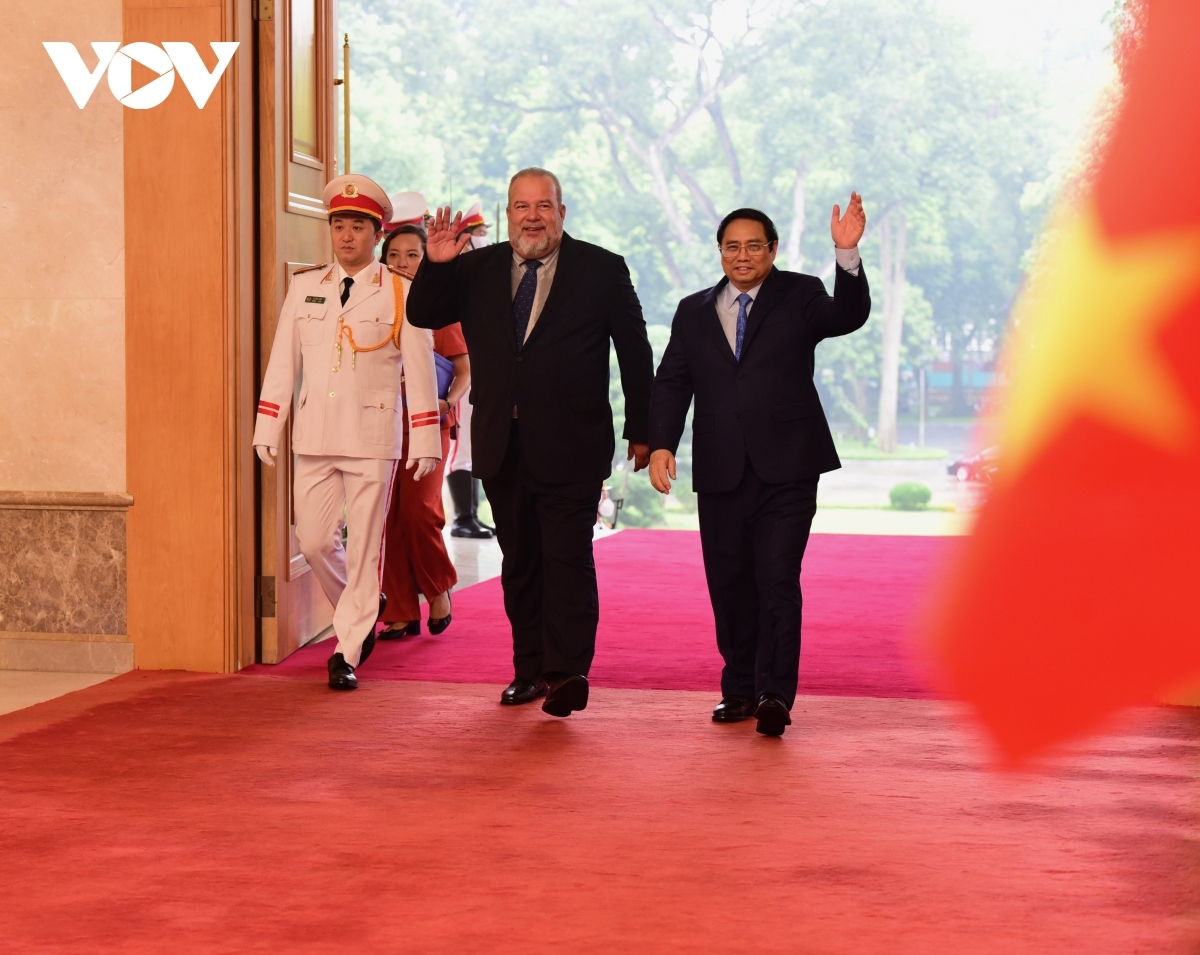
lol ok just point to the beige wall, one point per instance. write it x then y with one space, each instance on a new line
127 359
62 289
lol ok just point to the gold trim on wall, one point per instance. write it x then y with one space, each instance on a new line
64 637
65 501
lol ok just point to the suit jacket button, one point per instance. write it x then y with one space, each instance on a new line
519 358
737 414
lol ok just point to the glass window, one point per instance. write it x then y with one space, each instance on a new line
304 78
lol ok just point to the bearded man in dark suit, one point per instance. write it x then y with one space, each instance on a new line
744 349
538 313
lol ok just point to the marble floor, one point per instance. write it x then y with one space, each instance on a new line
475 560
22 688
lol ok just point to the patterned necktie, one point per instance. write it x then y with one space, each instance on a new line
523 300
743 301
346 283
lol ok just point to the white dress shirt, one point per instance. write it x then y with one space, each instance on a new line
727 301
545 278
362 275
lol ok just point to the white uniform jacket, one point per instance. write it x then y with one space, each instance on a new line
349 404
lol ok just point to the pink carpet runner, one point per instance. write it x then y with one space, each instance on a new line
861 597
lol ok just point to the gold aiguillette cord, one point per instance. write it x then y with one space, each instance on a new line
394 338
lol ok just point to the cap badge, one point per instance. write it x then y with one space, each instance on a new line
350 191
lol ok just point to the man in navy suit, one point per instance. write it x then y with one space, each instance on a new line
539 313
744 350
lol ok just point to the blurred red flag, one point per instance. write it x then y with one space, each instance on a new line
1074 596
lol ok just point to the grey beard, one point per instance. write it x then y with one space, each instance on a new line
529 250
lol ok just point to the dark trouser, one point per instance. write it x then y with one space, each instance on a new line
548 575
753 539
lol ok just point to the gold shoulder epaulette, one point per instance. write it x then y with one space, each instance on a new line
310 268
396 270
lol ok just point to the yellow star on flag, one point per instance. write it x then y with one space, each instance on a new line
1086 339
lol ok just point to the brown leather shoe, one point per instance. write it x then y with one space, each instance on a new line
733 709
522 691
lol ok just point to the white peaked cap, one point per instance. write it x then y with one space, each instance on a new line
408 207
471 218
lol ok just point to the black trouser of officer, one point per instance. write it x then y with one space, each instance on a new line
753 539
548 573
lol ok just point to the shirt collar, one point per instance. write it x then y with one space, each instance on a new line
729 296
546 260
361 273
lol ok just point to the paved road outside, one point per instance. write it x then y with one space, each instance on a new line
867 484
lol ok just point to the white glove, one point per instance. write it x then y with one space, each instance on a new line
266 454
423 466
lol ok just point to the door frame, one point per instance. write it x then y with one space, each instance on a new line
289 604
191 351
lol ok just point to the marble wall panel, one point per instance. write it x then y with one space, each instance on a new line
65 656
63 571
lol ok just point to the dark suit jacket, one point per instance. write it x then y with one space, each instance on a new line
766 405
559 379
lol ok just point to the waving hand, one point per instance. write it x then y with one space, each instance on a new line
442 245
848 229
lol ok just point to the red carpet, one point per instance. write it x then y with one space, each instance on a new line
230 815
656 626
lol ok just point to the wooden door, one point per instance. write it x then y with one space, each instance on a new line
296 160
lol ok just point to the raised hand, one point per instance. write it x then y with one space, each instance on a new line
442 245
848 229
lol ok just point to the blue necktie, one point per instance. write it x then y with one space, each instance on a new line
523 300
743 301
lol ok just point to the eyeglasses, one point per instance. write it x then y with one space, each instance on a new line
731 250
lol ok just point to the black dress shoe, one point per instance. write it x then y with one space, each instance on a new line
471 528
733 709
772 714
567 693
341 674
410 629
368 646
438 624
522 691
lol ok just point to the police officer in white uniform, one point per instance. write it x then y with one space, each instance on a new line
342 329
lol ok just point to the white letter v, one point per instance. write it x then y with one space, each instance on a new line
191 69
69 63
